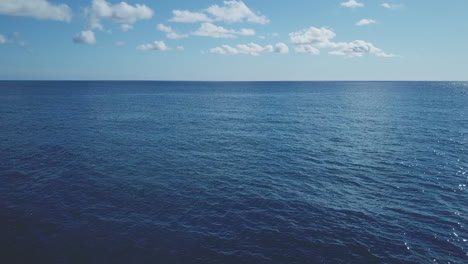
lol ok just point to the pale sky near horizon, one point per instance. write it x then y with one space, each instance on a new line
234 40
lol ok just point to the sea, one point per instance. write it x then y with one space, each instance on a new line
233 172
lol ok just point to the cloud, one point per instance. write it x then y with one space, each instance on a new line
15 39
352 4
125 27
392 6
170 33
235 11
317 37
365 21
157 45
213 31
119 43
121 13
312 40
85 37
39 9
185 16
281 48
229 12
358 48
252 49
309 49
180 48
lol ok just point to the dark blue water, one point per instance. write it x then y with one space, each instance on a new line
263 172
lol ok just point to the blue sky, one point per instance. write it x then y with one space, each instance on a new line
234 40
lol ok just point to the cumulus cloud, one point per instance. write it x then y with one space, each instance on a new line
309 49
358 48
3 40
157 45
229 12
317 37
392 6
121 13
213 31
252 49
180 48
281 48
352 4
365 21
185 16
85 37
235 11
39 9
119 43
170 33
312 40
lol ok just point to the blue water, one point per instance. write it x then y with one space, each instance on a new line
247 172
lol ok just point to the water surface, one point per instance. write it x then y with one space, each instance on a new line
243 172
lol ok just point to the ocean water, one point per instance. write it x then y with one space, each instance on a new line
233 172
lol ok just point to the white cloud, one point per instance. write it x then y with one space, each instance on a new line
121 13
185 16
119 43
281 48
125 27
358 48
229 12
275 35
174 35
252 49
213 31
170 33
317 37
180 48
85 37
312 39
352 4
235 11
392 6
309 49
365 21
157 45
164 28
15 39
39 9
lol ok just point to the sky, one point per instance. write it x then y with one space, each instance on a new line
249 40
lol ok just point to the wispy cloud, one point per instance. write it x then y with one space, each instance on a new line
185 16
252 49
392 6
170 33
213 31
229 12
352 4
3 40
365 21
15 39
39 9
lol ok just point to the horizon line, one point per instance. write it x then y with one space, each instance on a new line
143 80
